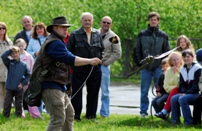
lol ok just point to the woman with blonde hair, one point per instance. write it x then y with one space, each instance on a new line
5 44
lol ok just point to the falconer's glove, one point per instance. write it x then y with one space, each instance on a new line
143 64
146 61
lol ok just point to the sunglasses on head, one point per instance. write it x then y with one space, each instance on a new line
104 22
2 28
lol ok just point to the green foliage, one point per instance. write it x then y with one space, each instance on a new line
129 18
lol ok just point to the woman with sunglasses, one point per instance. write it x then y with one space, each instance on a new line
5 44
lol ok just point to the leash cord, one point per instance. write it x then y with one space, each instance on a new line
83 83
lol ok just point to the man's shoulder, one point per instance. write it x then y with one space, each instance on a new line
143 32
21 32
162 32
78 31
111 32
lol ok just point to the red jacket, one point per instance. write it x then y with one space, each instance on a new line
66 40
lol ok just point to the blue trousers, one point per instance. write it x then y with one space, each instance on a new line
184 101
146 79
104 111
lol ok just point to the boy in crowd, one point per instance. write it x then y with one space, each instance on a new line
18 76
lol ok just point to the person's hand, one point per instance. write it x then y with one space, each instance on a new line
36 54
182 94
14 49
95 61
159 94
175 69
69 90
20 86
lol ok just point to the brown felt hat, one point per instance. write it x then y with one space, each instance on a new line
60 20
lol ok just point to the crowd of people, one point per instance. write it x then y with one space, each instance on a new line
37 48
178 85
83 57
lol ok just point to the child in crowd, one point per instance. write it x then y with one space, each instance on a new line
18 76
158 101
184 43
188 89
28 59
171 82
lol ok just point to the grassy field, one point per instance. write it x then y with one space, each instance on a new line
115 122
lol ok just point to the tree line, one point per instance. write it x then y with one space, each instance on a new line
177 17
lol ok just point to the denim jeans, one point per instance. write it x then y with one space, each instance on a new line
178 101
158 102
104 111
146 79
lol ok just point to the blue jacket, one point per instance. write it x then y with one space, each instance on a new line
17 72
35 46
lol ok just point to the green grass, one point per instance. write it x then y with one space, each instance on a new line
115 122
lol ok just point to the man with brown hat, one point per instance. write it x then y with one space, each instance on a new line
54 58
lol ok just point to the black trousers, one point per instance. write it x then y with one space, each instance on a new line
93 86
8 101
197 110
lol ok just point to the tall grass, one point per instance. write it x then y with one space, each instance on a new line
115 122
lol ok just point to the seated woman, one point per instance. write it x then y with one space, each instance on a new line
158 101
171 81
188 89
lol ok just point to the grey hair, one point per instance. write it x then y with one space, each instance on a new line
86 13
29 17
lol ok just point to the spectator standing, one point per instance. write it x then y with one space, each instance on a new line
18 76
188 89
86 42
5 44
112 52
39 34
55 58
25 34
151 41
28 59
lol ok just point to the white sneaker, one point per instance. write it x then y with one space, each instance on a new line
143 115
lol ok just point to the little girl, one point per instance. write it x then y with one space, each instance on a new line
28 59
184 43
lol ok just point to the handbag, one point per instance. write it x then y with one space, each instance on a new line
32 96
